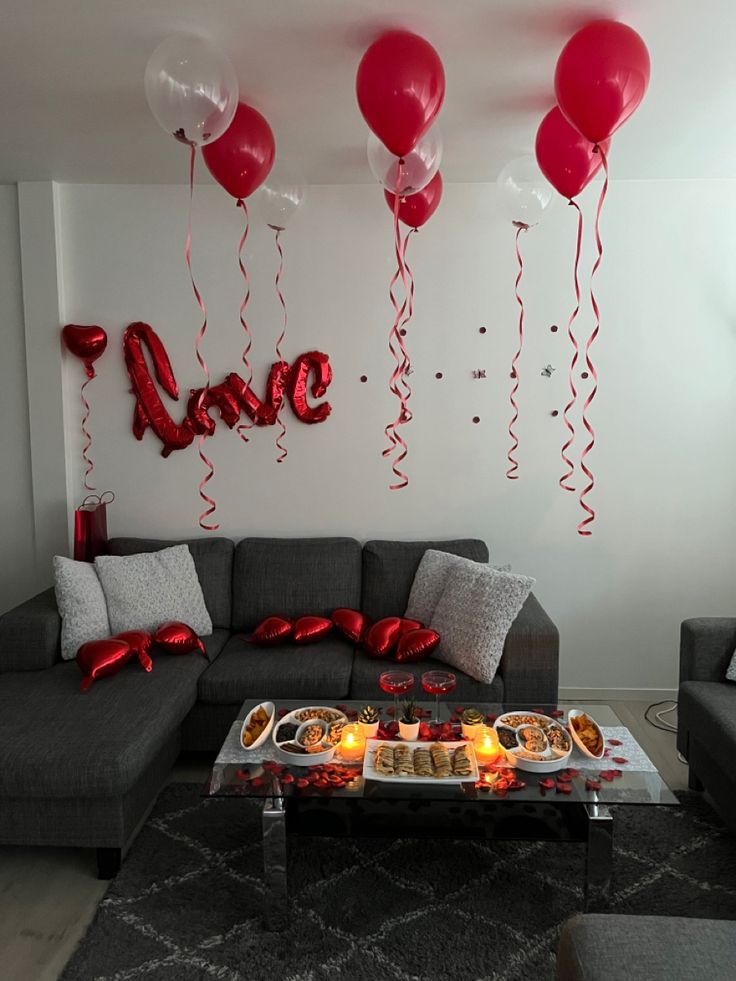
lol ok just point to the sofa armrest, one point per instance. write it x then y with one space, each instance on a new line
530 663
30 634
706 647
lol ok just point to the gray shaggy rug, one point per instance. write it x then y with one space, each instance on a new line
186 905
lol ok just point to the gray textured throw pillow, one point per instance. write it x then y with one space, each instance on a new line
431 579
81 603
145 590
473 617
731 669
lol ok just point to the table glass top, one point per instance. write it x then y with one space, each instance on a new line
625 776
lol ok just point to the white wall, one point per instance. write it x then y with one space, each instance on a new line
664 461
17 573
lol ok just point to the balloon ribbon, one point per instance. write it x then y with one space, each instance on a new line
89 466
211 506
514 466
244 427
280 400
575 349
582 530
398 384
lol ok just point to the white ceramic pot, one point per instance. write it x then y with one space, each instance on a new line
409 730
470 732
369 729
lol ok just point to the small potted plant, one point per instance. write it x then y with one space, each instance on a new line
409 720
470 720
368 719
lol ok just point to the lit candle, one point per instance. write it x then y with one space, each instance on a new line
487 748
352 743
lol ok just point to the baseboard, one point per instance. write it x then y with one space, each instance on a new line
648 695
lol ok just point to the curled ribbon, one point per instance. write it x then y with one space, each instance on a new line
279 421
514 466
244 426
575 349
582 529
211 506
89 466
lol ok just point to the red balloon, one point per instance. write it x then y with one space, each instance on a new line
416 209
221 397
566 158
176 637
100 658
400 87
407 625
416 645
309 629
140 643
381 638
351 623
241 159
601 77
319 364
272 630
86 343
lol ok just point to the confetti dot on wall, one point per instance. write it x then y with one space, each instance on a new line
482 330
554 412
476 418
403 331
554 328
438 374
584 374
364 378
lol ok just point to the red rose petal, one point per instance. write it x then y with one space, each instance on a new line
556 713
615 742
547 783
538 711
341 707
619 759
610 775
573 772
242 775
391 710
288 778
517 785
257 782
282 712
302 782
563 788
592 785
491 719
564 777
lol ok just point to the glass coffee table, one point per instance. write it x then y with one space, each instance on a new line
298 801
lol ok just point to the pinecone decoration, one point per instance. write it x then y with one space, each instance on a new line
472 717
368 715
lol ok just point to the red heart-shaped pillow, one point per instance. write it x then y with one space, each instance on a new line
140 642
407 625
100 658
351 622
272 630
176 637
309 629
381 638
416 645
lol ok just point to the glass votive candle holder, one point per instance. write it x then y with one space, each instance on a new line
352 743
486 745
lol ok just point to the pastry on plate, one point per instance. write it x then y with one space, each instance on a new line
423 762
461 765
384 760
441 760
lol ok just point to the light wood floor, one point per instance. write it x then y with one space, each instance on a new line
48 896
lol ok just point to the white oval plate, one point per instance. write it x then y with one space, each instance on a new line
574 713
271 710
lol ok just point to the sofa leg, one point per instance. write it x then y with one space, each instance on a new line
109 861
693 782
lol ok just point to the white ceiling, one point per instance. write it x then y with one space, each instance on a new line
71 82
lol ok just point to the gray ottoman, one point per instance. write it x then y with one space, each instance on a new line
606 947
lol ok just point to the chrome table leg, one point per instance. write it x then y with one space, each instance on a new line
599 858
274 863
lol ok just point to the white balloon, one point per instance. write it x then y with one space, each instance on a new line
279 199
191 88
523 192
415 171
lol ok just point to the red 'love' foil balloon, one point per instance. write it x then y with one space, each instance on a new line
416 645
352 623
101 658
309 629
381 638
272 630
176 637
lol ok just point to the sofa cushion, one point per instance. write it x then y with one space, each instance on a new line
30 633
56 742
81 603
291 577
243 670
364 682
389 569
708 709
213 560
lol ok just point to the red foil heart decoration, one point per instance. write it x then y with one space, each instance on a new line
309 629
381 638
176 637
350 622
272 630
85 343
416 645
140 642
100 658
407 625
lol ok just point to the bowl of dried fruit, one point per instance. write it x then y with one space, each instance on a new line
257 725
586 733
533 742
309 736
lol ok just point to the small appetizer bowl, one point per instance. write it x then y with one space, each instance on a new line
574 714
311 733
270 710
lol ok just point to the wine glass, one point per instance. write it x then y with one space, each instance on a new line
396 683
438 683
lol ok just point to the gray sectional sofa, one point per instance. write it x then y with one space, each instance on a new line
706 734
85 769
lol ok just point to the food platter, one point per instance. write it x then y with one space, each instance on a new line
317 728
373 771
533 742
591 742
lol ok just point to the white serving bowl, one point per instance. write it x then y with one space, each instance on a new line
574 713
554 759
270 709
306 759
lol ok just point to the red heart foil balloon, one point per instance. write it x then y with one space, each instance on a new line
176 637
381 638
416 645
140 642
86 343
100 658
272 630
309 629
352 623
407 625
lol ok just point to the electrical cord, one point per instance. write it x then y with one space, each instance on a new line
661 724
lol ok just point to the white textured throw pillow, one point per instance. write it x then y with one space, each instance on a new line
81 603
731 669
431 579
473 617
145 590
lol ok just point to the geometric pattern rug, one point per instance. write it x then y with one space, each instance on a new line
186 904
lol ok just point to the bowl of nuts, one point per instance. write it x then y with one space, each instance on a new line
309 736
534 742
